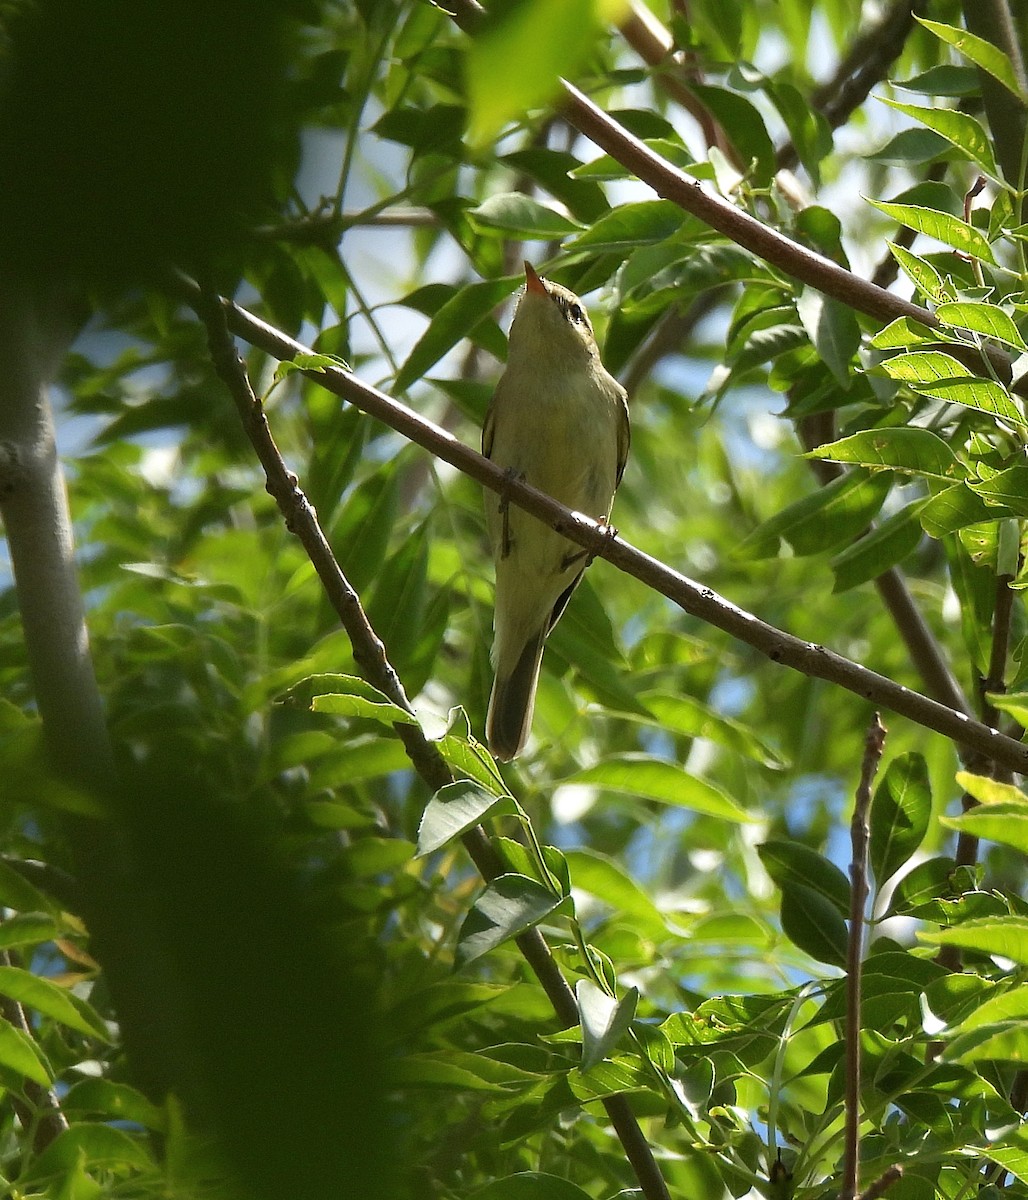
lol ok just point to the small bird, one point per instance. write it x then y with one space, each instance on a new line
559 422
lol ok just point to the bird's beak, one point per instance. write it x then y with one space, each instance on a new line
532 281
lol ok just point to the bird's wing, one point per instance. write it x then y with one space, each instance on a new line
624 433
488 429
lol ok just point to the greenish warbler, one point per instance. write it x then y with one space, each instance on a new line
558 421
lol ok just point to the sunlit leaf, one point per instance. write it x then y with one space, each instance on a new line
1006 937
977 50
654 779
939 225
902 448
604 1020
962 130
514 213
900 812
938 374
453 810
508 906
986 319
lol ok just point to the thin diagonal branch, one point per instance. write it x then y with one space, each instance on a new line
370 655
701 602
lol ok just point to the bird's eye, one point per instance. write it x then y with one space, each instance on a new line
575 313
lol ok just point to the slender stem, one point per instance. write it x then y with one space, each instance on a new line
370 655
882 1184
860 836
702 602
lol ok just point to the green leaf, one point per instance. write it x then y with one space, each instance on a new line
604 1020
949 230
956 508
517 57
1004 1006
744 126
958 128
18 1053
1003 823
508 906
608 167
1011 1155
887 545
455 809
1006 937
611 884
900 812
629 225
938 374
921 273
792 864
983 54
986 319
356 759
928 881
824 519
902 333
833 331
364 526
456 320
451 1070
16 892
347 696
318 363
27 929
654 779
686 716
514 213
901 448
115 1101
98 1147
1014 703
813 923
51 1000
1008 487
530 1185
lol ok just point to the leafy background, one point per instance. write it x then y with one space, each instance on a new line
260 961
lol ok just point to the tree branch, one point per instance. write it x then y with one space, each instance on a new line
697 600
370 655
775 248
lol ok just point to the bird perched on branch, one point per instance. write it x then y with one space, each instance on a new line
559 422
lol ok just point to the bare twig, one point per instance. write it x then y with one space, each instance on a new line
882 1184
859 836
702 602
370 655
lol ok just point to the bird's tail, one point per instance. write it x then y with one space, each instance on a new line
512 701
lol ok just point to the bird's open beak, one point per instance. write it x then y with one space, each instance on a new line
532 281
